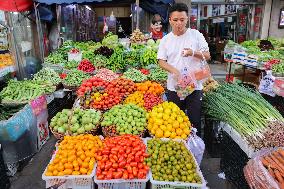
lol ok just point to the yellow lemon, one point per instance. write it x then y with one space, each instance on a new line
175 125
167 111
159 133
155 127
160 109
159 121
166 116
169 127
167 134
184 136
159 115
150 126
170 120
173 135
182 125
185 118
179 132
186 131
153 131
173 130
163 127
179 119
173 115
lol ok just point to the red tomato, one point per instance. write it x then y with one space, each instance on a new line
122 164
134 164
109 175
100 177
125 175
135 171
118 175
131 176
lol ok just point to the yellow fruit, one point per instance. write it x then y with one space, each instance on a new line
159 115
179 132
160 109
153 131
174 116
179 119
155 127
173 135
182 125
175 125
163 127
48 173
186 131
159 121
167 134
150 126
184 136
166 116
169 127
159 133
178 137
167 111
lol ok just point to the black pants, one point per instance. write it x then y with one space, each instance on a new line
191 105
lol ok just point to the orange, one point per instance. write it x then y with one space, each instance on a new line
87 159
80 152
71 158
68 166
60 168
91 165
76 173
85 164
48 173
82 157
79 161
50 168
61 173
55 173
56 160
83 170
64 161
67 171
89 172
75 163
76 168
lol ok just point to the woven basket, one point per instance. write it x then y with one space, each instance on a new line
163 83
72 88
57 135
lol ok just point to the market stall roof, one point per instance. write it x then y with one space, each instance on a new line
16 5
90 1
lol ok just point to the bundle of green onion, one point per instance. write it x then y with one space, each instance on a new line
242 108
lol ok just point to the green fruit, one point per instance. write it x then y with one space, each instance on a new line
74 120
88 127
55 128
61 130
81 130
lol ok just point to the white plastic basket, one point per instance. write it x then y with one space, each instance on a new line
69 181
177 185
122 183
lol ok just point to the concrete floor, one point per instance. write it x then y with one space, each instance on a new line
30 176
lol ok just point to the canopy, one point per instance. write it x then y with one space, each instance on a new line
89 1
16 5
49 2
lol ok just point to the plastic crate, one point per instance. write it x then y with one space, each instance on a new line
174 185
121 183
69 181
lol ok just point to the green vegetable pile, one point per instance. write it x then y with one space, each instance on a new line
111 41
158 74
75 78
55 58
149 56
135 75
26 90
128 119
47 75
243 109
71 65
7 112
278 68
116 61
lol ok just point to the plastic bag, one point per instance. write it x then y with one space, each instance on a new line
186 84
204 71
257 175
196 145
266 84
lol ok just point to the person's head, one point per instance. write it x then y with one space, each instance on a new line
178 17
156 23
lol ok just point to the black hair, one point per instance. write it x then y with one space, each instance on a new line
180 7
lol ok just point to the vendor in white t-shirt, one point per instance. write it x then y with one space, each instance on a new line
181 48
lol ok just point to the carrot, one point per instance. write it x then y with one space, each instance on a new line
281 151
280 167
278 176
271 163
278 157
271 172
265 162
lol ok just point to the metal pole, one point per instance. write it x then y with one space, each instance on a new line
39 32
137 14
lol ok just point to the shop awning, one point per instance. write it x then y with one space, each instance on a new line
49 2
16 5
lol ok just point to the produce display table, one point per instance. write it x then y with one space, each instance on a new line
257 70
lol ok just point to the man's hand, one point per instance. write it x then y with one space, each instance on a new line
187 52
176 74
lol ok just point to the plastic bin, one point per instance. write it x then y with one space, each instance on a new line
69 181
175 185
122 184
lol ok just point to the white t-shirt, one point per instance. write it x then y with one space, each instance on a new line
170 50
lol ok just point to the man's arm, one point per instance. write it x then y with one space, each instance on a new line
197 54
163 64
